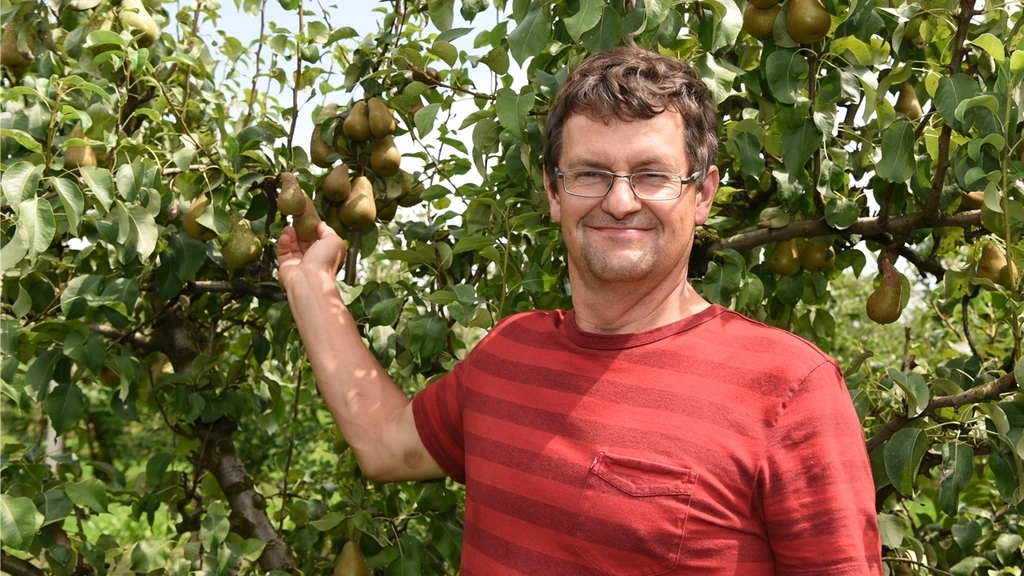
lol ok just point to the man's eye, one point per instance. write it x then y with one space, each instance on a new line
652 178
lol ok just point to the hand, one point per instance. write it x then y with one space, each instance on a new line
321 257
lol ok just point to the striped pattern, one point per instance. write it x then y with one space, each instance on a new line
714 445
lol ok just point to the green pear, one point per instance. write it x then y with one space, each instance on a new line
357 124
382 122
136 19
292 200
305 223
359 210
385 157
190 222
807 21
337 185
77 156
242 247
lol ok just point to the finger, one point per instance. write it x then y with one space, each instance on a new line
286 243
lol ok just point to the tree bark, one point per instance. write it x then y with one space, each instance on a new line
248 507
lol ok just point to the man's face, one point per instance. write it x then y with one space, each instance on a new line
620 238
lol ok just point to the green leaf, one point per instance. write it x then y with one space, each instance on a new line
15 250
213 530
73 200
328 521
428 335
955 474
55 505
424 118
386 312
41 372
786 72
588 15
1007 546
721 282
841 213
23 138
89 493
915 388
991 44
966 536
903 454
88 351
64 405
953 90
38 220
497 60
19 521
513 110
21 182
445 51
100 184
606 34
798 145
129 180
891 530
150 555
442 13
384 344
531 35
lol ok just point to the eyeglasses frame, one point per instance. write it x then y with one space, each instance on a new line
693 177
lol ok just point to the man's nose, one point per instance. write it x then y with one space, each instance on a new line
620 200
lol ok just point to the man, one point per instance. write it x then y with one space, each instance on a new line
645 431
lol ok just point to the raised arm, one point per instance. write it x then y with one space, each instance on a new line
373 414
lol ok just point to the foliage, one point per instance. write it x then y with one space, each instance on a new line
193 438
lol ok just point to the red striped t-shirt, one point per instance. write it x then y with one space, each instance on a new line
713 445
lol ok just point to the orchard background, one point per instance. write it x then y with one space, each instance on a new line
159 415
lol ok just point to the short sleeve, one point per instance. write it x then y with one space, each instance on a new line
437 410
816 484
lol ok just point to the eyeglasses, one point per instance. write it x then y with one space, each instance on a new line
587 183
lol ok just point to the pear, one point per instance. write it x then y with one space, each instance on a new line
885 304
337 185
385 157
994 266
815 258
136 19
412 191
242 246
319 150
387 210
305 223
10 56
428 75
351 562
191 223
77 156
971 200
382 122
292 200
807 21
907 103
359 210
784 258
357 123
333 219
760 22
764 4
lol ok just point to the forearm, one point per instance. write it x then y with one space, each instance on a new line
366 404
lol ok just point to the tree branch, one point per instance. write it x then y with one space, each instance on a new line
249 517
238 286
990 391
900 225
133 338
18 567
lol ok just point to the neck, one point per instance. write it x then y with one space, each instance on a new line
624 308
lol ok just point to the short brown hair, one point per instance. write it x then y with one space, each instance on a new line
631 83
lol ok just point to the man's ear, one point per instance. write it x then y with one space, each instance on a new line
706 195
553 200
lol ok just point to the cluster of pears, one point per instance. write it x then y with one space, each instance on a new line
885 304
292 201
807 21
994 266
241 248
787 257
349 204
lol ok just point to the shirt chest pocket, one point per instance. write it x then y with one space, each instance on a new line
632 515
